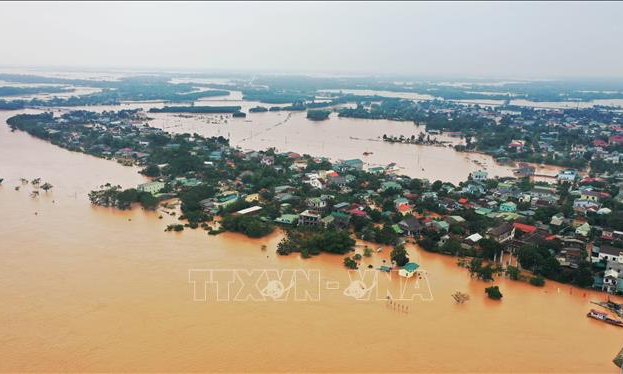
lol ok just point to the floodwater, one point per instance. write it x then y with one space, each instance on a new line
88 289
336 138
342 138
491 102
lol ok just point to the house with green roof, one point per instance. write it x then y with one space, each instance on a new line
390 185
508 206
287 219
376 170
408 270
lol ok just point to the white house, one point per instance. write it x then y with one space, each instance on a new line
151 187
610 253
408 270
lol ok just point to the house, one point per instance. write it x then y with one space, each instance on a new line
542 192
474 189
570 257
517 145
408 270
309 218
473 239
611 280
252 197
317 203
354 164
287 219
615 139
267 160
400 201
440 225
583 230
589 195
226 198
557 219
508 206
340 220
376 170
410 226
502 233
567 176
215 155
299 165
405 209
390 185
479 175
527 229
358 212
338 181
248 211
610 253
151 187
582 206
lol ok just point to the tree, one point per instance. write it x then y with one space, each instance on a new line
583 276
538 281
148 201
452 246
151 171
529 256
350 263
512 272
399 255
486 273
489 248
474 266
493 292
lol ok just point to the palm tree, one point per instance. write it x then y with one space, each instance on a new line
46 186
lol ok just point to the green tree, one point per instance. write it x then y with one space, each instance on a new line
399 255
512 272
493 292
538 281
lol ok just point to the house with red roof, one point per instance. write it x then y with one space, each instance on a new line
528 229
405 209
615 139
357 212
599 143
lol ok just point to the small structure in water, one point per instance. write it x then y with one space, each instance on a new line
460 297
618 359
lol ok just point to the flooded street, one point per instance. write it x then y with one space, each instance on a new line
96 289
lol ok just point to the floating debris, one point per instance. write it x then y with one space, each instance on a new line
460 297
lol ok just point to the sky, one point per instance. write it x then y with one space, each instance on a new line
463 39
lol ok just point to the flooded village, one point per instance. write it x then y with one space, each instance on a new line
523 203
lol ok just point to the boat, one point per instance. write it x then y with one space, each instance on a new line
611 306
604 317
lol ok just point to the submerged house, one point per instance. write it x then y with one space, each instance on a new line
408 270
